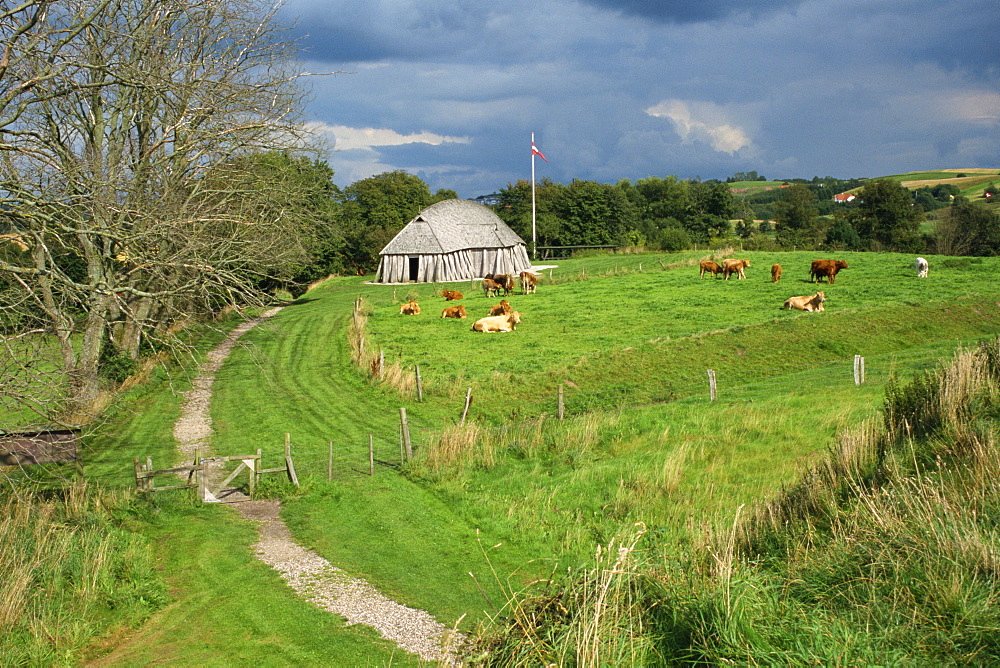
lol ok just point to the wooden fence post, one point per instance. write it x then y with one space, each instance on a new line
562 406
381 363
288 460
711 384
406 433
468 400
255 474
329 463
859 369
420 387
371 455
202 483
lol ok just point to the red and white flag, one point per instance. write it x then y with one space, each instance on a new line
535 151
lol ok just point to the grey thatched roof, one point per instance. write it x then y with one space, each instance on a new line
452 225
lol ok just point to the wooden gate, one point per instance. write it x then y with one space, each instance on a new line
211 491
200 476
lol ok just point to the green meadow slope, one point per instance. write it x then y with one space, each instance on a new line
516 494
631 345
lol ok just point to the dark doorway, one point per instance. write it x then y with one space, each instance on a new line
414 268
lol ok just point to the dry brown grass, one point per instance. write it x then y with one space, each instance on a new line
983 176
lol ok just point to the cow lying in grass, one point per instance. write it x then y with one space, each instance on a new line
498 323
453 312
451 295
503 308
808 303
409 308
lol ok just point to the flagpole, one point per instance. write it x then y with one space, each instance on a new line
534 240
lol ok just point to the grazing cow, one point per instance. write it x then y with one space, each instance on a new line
807 303
490 287
498 323
827 268
922 267
409 308
451 295
453 311
503 308
505 281
730 267
529 282
709 267
775 273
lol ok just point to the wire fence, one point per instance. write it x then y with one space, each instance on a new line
318 460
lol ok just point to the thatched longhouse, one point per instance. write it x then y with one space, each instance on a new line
453 240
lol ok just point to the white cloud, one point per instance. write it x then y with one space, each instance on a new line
347 138
976 107
702 121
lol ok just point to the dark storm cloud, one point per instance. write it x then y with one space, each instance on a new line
693 11
451 90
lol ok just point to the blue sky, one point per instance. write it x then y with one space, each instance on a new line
450 90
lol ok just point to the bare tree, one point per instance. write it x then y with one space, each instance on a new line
116 176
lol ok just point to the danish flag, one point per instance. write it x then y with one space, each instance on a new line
535 151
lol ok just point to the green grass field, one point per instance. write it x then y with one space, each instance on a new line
631 345
516 493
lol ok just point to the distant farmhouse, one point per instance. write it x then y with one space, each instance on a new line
453 240
844 198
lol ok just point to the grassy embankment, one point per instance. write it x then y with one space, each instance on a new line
883 553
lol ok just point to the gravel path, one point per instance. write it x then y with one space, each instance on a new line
308 574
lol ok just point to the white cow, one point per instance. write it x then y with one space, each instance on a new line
922 267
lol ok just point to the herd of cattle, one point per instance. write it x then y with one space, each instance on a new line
502 318
818 270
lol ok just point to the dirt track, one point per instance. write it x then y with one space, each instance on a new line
310 575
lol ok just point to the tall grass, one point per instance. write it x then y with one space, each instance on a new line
71 572
607 614
886 551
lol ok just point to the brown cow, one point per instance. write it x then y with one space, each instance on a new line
775 273
491 288
409 308
503 308
453 311
827 268
807 303
505 281
730 267
498 323
529 282
707 266
451 295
